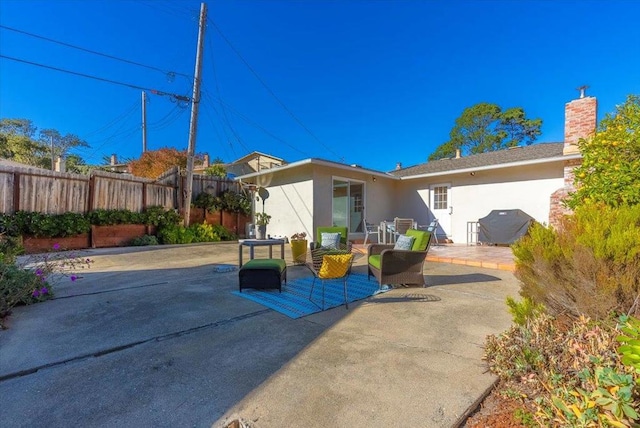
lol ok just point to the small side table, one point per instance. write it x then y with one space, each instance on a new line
252 243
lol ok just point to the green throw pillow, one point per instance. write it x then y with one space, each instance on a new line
421 239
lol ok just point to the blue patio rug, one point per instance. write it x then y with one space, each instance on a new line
294 300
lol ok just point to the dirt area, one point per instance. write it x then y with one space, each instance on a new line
495 411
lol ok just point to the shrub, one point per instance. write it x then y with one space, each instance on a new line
227 200
571 373
33 280
9 248
610 169
175 234
144 240
47 225
590 266
523 310
103 217
194 233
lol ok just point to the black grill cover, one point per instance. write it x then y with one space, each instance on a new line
503 226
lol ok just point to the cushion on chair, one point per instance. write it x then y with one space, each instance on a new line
343 231
330 240
277 265
404 242
334 266
375 261
421 239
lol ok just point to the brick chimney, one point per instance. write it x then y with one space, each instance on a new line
580 120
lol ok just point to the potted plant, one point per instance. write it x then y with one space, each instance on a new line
262 220
299 248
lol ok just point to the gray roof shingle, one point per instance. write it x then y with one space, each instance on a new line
514 154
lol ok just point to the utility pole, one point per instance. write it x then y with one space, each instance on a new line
144 121
195 101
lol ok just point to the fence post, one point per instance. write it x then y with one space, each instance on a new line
144 196
16 192
91 193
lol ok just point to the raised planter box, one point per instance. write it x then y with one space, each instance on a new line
118 235
33 245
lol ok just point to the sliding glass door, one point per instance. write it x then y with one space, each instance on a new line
348 204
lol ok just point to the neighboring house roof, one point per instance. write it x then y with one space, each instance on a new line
253 155
535 153
254 161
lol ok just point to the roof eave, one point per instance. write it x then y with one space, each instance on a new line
319 162
492 167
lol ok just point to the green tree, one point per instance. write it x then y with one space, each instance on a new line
216 169
610 170
21 141
485 127
61 143
17 142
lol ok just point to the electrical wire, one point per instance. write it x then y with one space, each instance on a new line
48 39
89 76
109 124
271 91
226 121
260 127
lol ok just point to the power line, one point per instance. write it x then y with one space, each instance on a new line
169 74
260 127
226 121
175 97
271 92
112 122
224 112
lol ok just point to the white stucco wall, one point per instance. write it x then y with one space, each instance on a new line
301 198
290 201
527 188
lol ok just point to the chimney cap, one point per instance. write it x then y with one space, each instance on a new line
582 90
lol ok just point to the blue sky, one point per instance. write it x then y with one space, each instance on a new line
366 82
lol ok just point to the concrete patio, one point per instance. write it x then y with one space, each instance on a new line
152 336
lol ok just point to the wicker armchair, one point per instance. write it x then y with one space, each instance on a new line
330 264
344 236
391 266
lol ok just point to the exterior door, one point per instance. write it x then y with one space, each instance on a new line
441 206
348 204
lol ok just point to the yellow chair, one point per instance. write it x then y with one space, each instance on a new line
330 265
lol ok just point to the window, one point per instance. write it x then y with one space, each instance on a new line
440 201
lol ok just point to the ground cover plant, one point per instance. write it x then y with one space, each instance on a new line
33 279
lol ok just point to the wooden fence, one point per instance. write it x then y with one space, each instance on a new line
39 190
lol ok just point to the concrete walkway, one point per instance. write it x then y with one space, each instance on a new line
153 337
